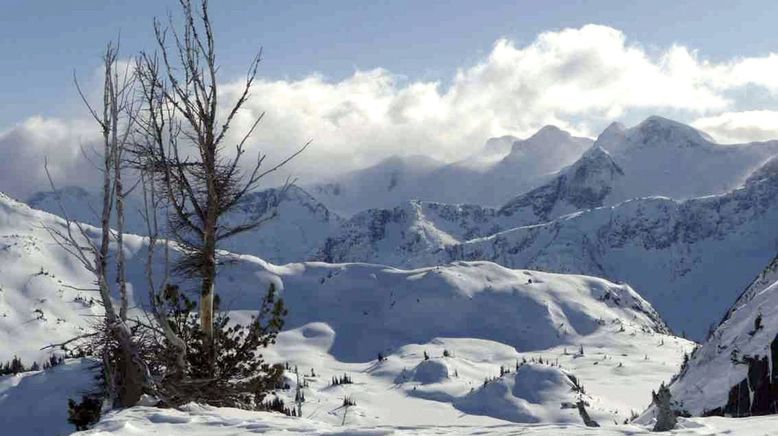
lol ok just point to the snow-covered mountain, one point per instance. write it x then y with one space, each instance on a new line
375 308
471 317
301 222
409 231
584 185
502 168
667 158
384 184
656 157
735 372
82 205
530 162
676 252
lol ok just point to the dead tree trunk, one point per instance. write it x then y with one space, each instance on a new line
125 369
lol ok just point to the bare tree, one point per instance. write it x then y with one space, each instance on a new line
126 370
198 176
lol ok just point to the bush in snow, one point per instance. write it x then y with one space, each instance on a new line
237 376
84 414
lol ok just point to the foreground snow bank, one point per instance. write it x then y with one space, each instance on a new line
36 403
196 420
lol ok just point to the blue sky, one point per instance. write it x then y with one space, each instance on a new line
371 79
42 42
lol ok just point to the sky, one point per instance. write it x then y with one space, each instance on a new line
368 79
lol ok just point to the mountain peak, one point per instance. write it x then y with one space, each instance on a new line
659 131
549 132
550 141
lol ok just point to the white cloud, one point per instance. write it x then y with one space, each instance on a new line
740 127
25 147
579 79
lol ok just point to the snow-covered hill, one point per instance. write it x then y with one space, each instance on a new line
678 253
471 317
302 223
735 372
374 308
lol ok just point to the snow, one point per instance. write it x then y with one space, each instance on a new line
675 253
35 403
204 421
342 315
736 337
301 223
470 292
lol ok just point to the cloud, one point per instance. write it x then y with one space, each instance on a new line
26 146
740 127
578 79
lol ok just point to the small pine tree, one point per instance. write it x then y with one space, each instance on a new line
665 419
85 414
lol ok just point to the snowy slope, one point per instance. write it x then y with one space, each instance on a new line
391 306
679 254
586 184
675 252
387 308
301 225
415 228
35 403
720 366
667 158
342 315
38 304
201 421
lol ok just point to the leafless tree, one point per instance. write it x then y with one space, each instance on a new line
186 147
127 371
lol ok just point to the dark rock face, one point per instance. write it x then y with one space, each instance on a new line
757 394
